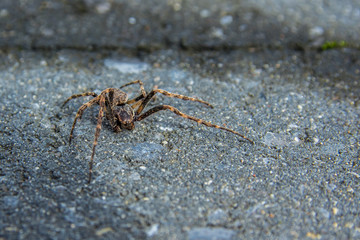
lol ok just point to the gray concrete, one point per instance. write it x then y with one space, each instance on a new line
94 24
171 178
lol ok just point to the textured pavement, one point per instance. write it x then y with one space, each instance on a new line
171 178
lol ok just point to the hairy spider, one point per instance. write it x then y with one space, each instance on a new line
122 112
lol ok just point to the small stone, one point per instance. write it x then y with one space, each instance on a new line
103 8
126 66
226 20
217 217
11 201
4 13
135 176
205 13
152 230
132 20
324 213
210 234
274 139
316 32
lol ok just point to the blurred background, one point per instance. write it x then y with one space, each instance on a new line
197 24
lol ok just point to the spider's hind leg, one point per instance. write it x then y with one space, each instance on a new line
200 121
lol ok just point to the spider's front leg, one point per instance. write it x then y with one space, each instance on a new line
168 94
97 132
80 113
80 95
141 84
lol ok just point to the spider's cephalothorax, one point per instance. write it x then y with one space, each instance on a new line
124 116
122 112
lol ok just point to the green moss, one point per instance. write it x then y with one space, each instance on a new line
333 44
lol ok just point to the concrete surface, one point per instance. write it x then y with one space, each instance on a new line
171 178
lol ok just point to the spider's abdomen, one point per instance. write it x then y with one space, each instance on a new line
117 97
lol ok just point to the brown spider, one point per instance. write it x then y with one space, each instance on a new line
121 114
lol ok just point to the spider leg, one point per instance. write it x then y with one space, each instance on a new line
168 94
136 104
200 121
174 95
79 114
135 100
142 89
80 95
97 132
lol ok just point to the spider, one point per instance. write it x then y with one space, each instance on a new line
122 112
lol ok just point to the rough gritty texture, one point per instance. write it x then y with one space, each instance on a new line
171 178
